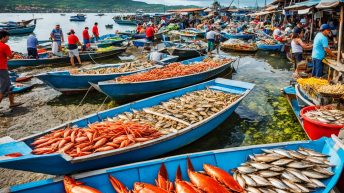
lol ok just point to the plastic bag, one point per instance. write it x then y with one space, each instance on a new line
55 48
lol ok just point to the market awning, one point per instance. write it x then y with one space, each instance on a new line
271 8
303 5
187 10
303 11
328 3
262 13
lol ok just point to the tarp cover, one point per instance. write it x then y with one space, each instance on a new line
303 5
328 3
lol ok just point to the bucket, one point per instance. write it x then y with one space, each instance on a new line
316 129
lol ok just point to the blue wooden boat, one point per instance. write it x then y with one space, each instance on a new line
226 159
183 53
17 30
125 22
141 42
125 91
85 56
58 164
237 36
65 82
78 17
275 47
139 36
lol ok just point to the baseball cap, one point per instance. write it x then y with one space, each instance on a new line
324 27
297 30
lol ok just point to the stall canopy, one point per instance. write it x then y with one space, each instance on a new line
328 3
303 5
262 13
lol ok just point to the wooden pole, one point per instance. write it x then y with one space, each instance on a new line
340 33
312 25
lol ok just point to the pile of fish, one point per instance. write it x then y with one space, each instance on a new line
212 180
337 89
196 106
191 45
126 67
165 125
98 137
281 171
174 70
134 127
267 42
239 45
327 114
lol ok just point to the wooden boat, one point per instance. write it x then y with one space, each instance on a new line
275 47
184 53
78 17
85 56
58 164
132 90
239 47
124 21
237 36
17 28
226 159
109 26
290 94
109 40
100 14
65 82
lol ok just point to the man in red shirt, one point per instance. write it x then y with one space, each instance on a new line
73 42
5 82
150 33
95 31
86 36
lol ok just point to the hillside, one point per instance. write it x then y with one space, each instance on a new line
81 6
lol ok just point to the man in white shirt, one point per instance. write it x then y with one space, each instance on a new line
211 39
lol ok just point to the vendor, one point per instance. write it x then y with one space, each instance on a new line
320 49
297 46
211 39
277 34
32 44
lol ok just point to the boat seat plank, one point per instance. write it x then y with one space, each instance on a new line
228 90
15 146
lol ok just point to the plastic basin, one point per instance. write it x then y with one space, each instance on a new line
316 129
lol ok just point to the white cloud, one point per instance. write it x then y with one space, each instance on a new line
206 2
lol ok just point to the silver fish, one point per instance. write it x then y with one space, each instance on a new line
313 153
297 155
282 162
251 189
318 183
260 166
281 191
290 177
277 169
298 174
277 183
312 185
282 152
246 169
268 158
303 188
267 190
313 174
259 180
268 150
248 180
322 170
314 160
291 185
268 174
240 180
303 152
299 165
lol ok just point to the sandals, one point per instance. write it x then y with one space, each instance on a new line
16 105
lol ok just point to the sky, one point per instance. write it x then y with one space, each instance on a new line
205 3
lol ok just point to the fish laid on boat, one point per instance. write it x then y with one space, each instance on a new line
84 56
78 80
239 45
169 77
162 173
281 170
186 50
71 138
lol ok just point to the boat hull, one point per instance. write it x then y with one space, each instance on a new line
276 47
63 60
238 36
128 91
59 164
25 30
185 54
126 22
226 159
66 83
